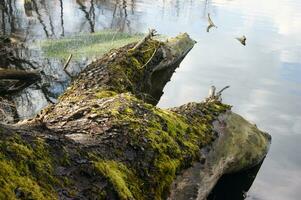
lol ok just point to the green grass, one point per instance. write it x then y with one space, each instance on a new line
86 45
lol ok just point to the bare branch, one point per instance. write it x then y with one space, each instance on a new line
18 79
220 92
215 96
151 33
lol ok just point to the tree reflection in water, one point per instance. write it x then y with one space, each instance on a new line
42 16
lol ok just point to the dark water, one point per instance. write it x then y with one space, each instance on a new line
265 75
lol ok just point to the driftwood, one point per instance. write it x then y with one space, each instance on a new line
106 139
212 96
13 81
210 23
242 40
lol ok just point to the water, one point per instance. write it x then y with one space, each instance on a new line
264 75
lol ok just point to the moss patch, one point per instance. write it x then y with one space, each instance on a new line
119 71
173 139
123 179
127 73
104 94
26 170
143 149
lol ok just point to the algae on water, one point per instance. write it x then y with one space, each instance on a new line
87 45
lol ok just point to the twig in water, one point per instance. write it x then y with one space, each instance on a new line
66 65
211 24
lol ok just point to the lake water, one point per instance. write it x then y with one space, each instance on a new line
264 75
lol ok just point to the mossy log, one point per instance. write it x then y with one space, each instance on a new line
106 139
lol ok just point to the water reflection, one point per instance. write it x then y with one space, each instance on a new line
234 186
62 17
264 76
89 15
39 17
37 20
28 7
78 16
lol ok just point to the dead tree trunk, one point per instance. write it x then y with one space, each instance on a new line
105 139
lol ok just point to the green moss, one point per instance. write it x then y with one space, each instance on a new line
173 138
125 71
123 179
26 170
128 72
172 144
165 174
105 93
13 183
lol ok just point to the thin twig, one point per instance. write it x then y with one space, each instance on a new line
66 65
215 97
148 59
67 62
220 92
151 33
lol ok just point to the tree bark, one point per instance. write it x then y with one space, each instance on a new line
106 139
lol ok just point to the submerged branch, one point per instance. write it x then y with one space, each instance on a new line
17 80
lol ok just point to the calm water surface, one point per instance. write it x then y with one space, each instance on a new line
264 75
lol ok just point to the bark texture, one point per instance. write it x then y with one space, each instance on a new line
106 139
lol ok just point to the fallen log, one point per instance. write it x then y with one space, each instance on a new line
13 81
106 139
